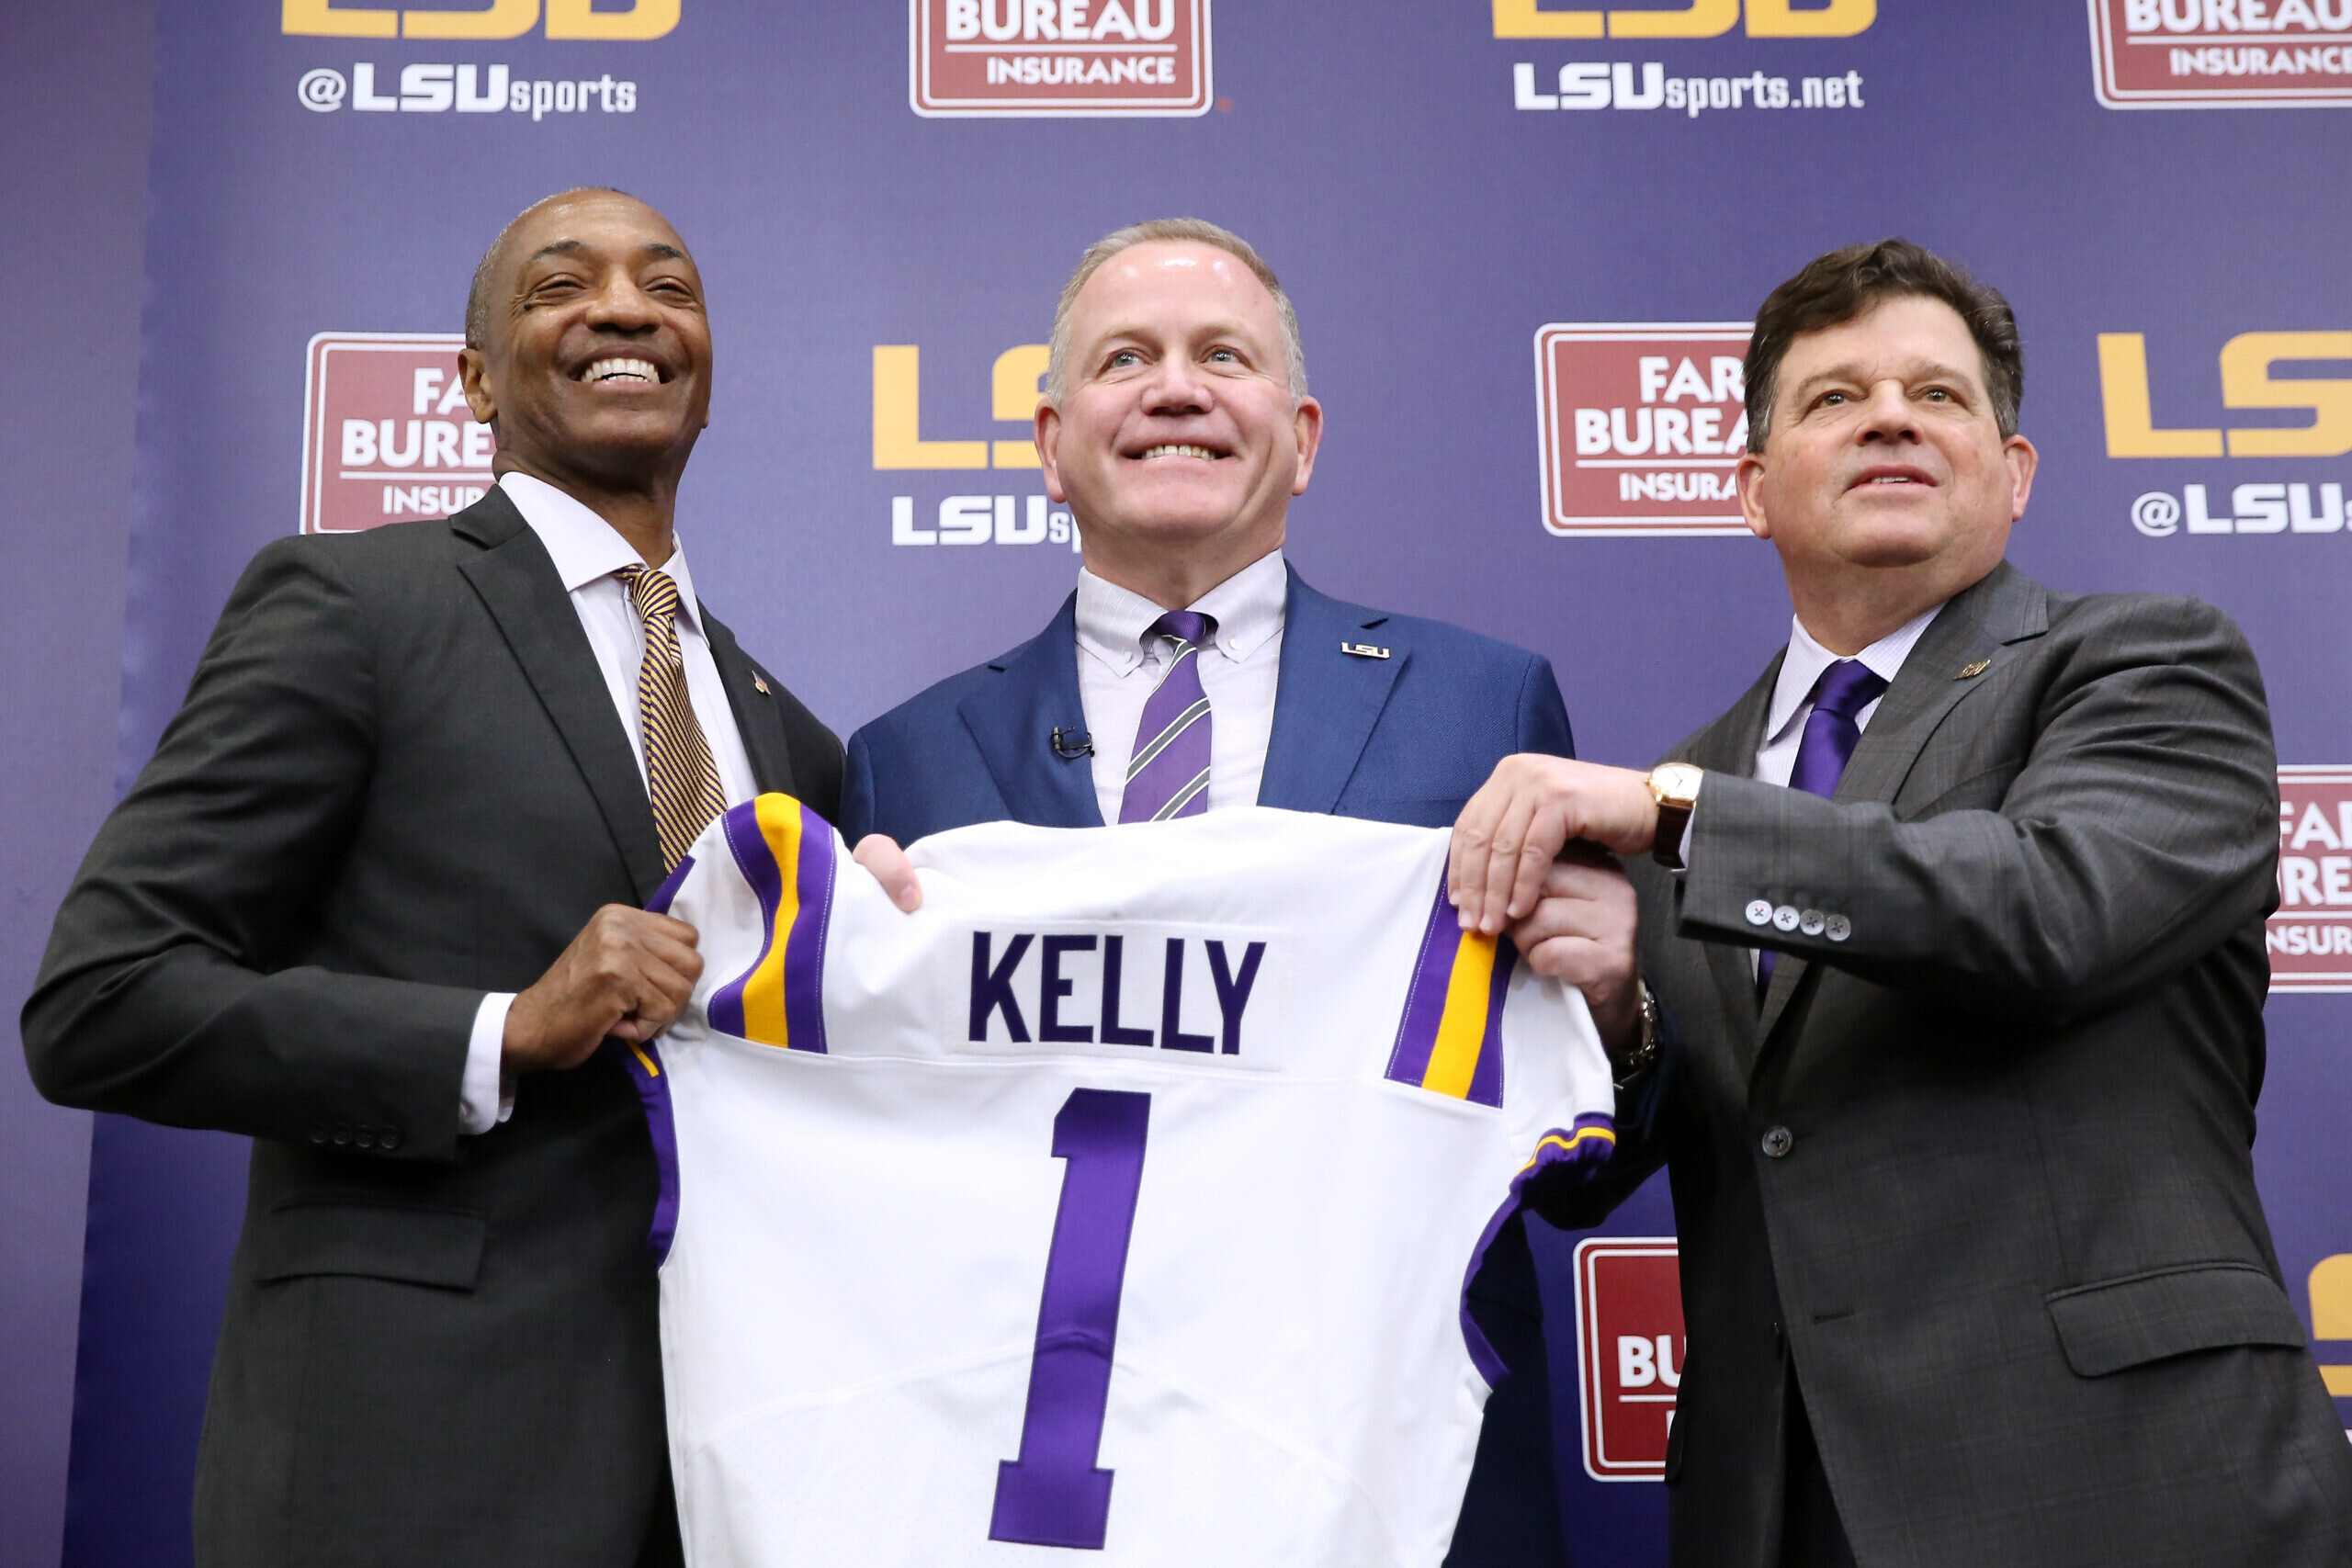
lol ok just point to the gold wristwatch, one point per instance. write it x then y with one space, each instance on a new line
1674 787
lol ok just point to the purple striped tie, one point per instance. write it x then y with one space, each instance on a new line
1169 774
1831 732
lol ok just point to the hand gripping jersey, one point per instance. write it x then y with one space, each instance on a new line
1121 1202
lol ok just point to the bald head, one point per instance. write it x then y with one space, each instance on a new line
494 260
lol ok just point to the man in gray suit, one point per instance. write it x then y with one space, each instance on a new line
376 903
1959 915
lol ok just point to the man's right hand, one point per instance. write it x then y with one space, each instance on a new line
626 973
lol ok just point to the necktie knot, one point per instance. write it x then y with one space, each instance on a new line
655 594
1188 627
1846 688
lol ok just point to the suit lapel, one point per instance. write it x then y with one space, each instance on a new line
752 698
1942 671
1729 745
1326 702
518 585
1012 719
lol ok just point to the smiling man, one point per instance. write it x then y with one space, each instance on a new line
376 902
1193 671
1960 914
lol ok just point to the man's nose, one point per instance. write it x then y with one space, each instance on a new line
1888 414
1177 386
621 306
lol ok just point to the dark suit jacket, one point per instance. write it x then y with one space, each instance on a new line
398 782
1980 1171
1404 738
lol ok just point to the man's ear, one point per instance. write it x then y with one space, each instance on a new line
473 374
1306 424
1748 479
2023 461
1050 440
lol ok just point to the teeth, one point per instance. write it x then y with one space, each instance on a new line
620 370
1172 449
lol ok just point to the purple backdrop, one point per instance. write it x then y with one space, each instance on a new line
1426 225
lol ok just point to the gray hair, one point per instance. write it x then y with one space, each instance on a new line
1182 230
478 296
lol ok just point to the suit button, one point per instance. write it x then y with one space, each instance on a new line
341 1135
365 1138
318 1132
1839 928
1810 922
1785 919
1777 1142
388 1139
1760 912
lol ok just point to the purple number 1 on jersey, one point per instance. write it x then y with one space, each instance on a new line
1053 1494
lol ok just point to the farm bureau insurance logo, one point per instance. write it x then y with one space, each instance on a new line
2211 54
1058 58
1630 1349
386 432
1641 425
2309 935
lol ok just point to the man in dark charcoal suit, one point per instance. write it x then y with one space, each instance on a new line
375 902
1192 669
1961 917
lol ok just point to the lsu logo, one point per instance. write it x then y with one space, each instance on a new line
500 20
2196 55
1699 19
1630 1347
2247 383
2331 1296
386 432
1059 58
2310 934
1641 426
1015 383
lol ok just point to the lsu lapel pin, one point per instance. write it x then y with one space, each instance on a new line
1363 651
1970 672
760 685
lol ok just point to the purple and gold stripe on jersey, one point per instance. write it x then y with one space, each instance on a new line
1449 1039
644 1065
785 854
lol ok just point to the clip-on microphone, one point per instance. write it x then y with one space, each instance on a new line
1079 745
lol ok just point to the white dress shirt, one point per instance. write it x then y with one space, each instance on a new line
587 552
1118 667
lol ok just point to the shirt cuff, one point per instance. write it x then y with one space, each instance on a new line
1682 854
481 1105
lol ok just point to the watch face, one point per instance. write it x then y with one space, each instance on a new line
1676 781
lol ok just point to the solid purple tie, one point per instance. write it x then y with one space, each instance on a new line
1167 775
1831 732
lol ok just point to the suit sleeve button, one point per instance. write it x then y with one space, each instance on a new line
1785 919
1839 928
1810 922
1777 1142
342 1136
1760 912
388 1139
365 1138
318 1132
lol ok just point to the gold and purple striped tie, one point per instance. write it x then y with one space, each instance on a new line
680 775
1169 774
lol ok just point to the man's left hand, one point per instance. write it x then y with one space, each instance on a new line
1581 932
1521 817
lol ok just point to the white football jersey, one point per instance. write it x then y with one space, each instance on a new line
1120 1202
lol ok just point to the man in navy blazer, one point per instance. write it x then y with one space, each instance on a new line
1193 669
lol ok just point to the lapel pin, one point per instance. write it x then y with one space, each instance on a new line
760 685
1363 651
1970 672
